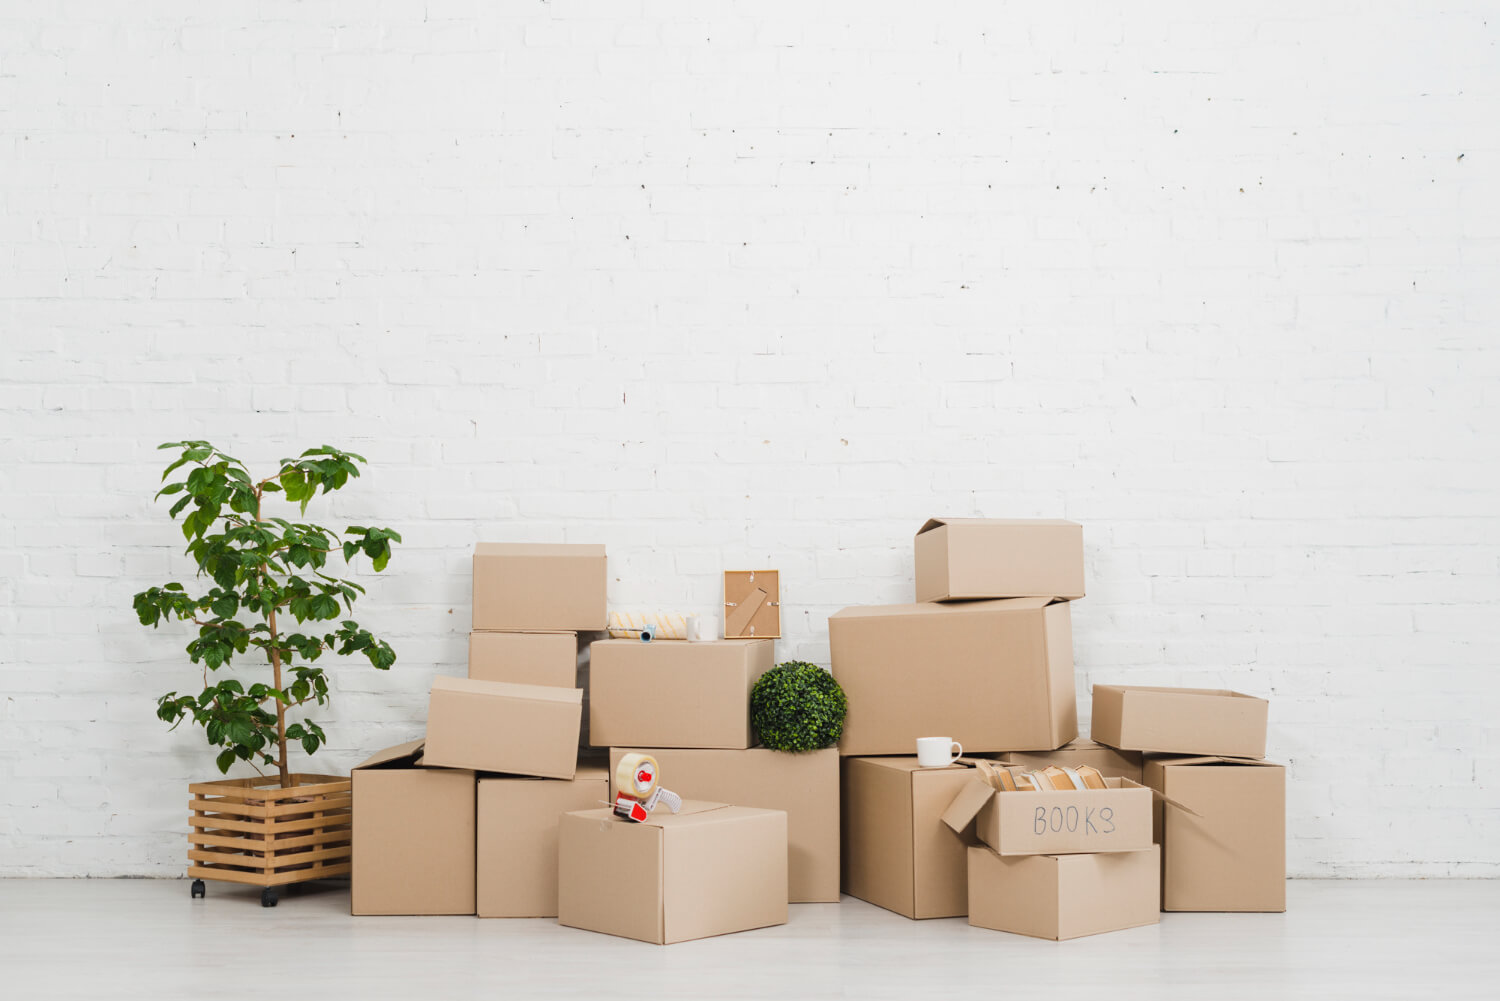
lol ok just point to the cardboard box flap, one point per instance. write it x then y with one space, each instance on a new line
548 549
509 690
406 754
967 804
932 523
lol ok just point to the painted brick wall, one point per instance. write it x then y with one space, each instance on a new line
767 285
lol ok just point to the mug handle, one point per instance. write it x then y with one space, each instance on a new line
960 751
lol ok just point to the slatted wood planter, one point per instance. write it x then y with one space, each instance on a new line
255 832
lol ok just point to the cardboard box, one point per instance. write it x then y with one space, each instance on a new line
542 587
492 726
1110 761
708 870
1180 720
1063 896
993 675
999 558
897 852
525 658
516 852
805 785
674 694
413 836
1232 856
1056 822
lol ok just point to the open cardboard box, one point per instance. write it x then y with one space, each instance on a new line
708 870
1064 896
413 835
497 727
1110 761
1229 854
998 558
1180 720
993 675
1055 822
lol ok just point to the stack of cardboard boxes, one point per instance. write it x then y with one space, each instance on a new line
465 821
503 809
499 813
985 657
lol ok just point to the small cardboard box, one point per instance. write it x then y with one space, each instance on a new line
413 836
1232 856
492 726
709 870
993 675
1055 822
525 658
674 694
1180 720
538 586
805 785
516 854
999 558
897 852
1064 896
1110 761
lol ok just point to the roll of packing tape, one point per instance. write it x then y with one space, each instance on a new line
662 625
635 775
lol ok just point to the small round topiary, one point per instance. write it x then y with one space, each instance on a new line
798 706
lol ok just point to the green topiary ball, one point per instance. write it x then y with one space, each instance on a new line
798 706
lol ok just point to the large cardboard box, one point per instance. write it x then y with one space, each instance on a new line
525 658
674 693
413 836
805 785
492 726
897 852
1180 720
999 558
993 675
516 852
1063 896
1055 822
539 586
709 870
1232 855
1110 761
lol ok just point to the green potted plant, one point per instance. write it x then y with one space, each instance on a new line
797 706
262 571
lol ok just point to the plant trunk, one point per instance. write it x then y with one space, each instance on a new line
280 706
281 763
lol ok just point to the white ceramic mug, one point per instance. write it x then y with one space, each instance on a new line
933 752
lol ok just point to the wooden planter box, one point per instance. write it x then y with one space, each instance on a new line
253 831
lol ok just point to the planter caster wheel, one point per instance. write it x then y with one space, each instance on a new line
268 897
199 890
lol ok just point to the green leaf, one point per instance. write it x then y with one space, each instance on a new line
224 760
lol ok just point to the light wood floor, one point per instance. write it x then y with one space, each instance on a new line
107 939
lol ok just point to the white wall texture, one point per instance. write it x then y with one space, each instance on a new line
728 285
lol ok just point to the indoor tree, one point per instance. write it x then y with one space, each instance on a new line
262 568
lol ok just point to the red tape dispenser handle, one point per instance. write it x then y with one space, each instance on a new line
637 789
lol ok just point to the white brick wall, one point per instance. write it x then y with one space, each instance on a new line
766 285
